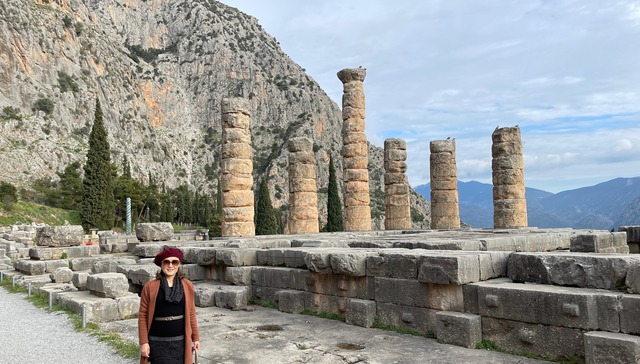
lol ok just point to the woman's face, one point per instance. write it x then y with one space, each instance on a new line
170 266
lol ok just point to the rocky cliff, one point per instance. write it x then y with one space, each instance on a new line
160 69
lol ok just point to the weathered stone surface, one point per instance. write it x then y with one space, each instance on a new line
461 329
632 281
139 273
509 204
544 340
239 276
110 285
31 267
42 253
581 308
422 320
291 301
629 314
325 303
600 242
611 348
194 272
61 275
100 309
205 294
56 236
633 233
573 269
154 231
393 263
80 264
351 264
236 257
405 292
232 297
360 312
338 285
444 194
79 280
449 269
281 278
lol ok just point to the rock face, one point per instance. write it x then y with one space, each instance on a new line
396 186
154 231
444 185
303 192
357 209
55 236
161 69
507 164
237 168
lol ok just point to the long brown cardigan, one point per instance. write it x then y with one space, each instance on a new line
147 309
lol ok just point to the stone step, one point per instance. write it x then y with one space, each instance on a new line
100 309
209 294
603 271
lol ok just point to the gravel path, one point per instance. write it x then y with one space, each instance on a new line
33 335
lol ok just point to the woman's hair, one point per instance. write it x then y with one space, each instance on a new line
179 274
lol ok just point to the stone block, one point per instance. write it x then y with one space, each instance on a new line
52 265
633 233
318 261
97 309
420 319
338 285
550 305
543 340
205 294
105 266
270 257
295 258
194 272
632 280
291 301
82 251
445 297
239 276
139 273
405 292
199 255
109 285
630 314
325 303
232 257
460 329
79 280
400 264
80 264
265 294
57 236
45 253
611 348
598 242
350 263
154 231
61 275
232 297
449 269
31 267
572 269
119 248
128 306
360 312
148 250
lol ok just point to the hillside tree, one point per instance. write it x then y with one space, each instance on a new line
98 203
335 221
265 217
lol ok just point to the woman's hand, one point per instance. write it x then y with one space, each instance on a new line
144 350
196 345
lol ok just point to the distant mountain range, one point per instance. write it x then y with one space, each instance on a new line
606 205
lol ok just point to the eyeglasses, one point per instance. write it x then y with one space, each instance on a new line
174 262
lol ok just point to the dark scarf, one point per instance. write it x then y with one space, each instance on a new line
172 294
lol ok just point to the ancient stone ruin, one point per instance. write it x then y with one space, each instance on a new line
303 193
445 213
355 152
509 204
237 169
396 186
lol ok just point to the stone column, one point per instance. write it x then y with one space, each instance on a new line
445 213
355 152
397 206
237 169
509 204
303 192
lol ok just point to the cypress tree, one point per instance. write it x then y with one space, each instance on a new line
335 221
265 218
98 203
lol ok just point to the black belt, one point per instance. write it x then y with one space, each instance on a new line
168 318
170 338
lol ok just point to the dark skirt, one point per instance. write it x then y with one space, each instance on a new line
166 350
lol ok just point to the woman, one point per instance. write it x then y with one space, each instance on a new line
167 326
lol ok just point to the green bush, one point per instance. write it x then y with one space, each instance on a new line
8 195
10 112
67 83
43 104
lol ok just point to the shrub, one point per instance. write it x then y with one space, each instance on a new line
11 112
43 104
8 195
67 83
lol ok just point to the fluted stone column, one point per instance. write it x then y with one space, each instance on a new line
355 152
303 193
397 207
237 169
445 212
509 204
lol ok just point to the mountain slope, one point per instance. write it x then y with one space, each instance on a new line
160 69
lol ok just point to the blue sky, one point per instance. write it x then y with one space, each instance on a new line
567 72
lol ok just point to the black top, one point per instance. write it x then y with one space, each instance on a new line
164 309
